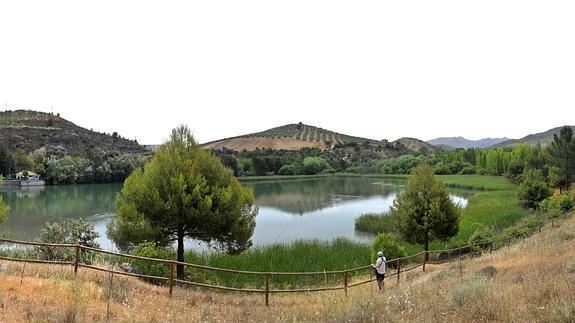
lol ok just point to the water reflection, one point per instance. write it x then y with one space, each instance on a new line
321 208
308 195
32 207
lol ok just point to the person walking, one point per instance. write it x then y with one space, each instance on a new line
379 269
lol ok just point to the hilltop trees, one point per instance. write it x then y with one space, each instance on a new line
425 210
184 191
562 158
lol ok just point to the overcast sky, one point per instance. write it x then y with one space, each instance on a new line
376 69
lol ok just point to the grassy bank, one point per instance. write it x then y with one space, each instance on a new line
281 177
529 282
495 207
300 256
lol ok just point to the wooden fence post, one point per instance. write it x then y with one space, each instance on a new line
540 229
109 294
77 260
424 259
171 277
490 247
345 282
398 268
449 256
267 277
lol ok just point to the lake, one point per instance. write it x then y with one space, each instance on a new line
316 208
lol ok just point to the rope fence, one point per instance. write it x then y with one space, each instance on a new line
265 280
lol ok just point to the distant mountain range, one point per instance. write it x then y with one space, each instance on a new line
31 130
460 142
544 138
296 136
450 143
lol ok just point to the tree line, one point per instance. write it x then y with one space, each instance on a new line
555 162
95 167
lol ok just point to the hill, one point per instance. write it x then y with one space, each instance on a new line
461 142
298 136
416 145
289 137
30 130
544 138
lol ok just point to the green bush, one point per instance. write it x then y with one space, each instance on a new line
76 231
533 189
480 235
469 170
314 165
151 268
555 205
289 169
386 242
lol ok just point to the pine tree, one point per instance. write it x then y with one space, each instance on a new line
562 158
425 209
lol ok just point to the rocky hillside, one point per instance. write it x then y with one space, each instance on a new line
298 136
544 138
416 145
31 131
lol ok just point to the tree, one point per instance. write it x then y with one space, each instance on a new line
314 165
7 162
232 163
425 209
533 189
562 157
184 191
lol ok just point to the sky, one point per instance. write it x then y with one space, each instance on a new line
375 69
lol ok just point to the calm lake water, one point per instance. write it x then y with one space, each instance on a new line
319 208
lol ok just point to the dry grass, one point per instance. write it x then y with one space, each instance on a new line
533 281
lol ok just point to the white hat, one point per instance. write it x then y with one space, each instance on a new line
380 253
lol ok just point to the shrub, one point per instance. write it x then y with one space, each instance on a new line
386 242
151 268
533 189
289 169
53 233
555 205
489 271
314 165
480 235
76 231
469 170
